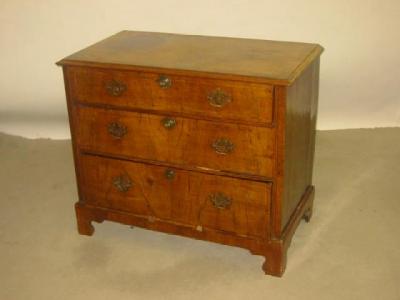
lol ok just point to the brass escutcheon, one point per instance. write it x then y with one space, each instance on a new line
115 88
122 183
219 98
220 200
223 146
169 174
117 130
168 123
164 81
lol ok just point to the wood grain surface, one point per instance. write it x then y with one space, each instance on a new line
301 114
277 62
161 155
188 143
248 102
184 198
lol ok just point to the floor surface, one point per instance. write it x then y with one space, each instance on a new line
349 250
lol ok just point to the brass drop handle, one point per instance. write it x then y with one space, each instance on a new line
169 174
223 146
122 183
168 122
164 81
117 130
220 200
115 88
219 98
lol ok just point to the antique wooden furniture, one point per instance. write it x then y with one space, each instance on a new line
206 137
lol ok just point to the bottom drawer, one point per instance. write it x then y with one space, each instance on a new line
191 198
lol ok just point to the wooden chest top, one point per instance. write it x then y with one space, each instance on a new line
270 61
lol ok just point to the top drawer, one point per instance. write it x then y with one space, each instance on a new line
187 96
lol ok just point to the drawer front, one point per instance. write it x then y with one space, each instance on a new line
209 98
185 197
188 142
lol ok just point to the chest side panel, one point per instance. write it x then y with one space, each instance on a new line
300 122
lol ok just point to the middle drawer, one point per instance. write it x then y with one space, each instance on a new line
186 142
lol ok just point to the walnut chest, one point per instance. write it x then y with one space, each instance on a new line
205 137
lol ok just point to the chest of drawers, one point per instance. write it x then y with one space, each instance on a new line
205 137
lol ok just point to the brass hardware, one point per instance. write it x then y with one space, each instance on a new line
117 130
164 81
115 88
169 174
220 200
122 183
219 98
223 146
168 123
